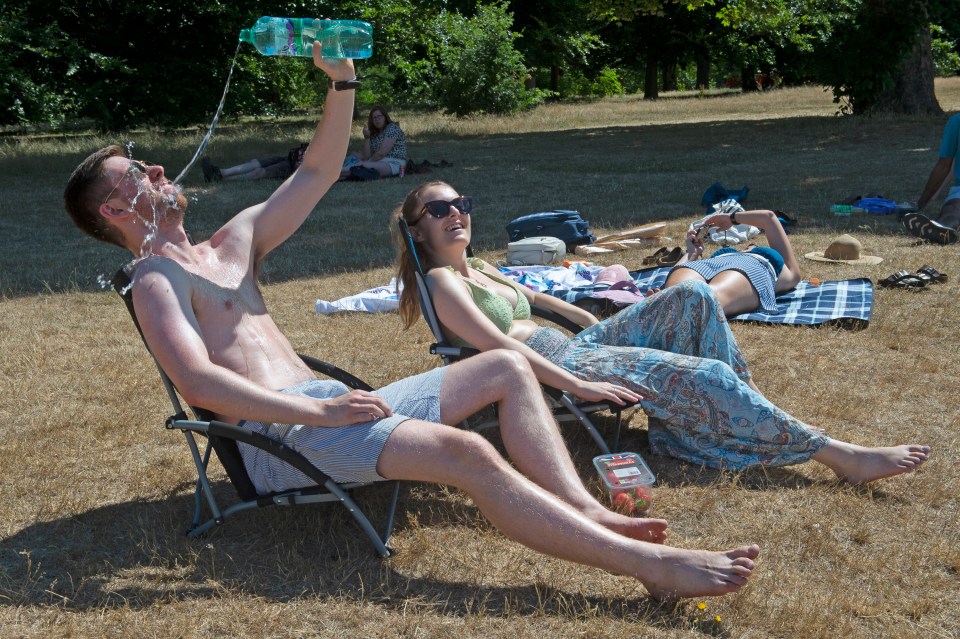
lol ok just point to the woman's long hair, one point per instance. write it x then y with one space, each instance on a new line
409 253
386 120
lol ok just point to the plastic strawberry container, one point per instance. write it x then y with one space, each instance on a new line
627 480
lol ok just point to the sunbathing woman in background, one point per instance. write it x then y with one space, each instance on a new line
747 280
674 351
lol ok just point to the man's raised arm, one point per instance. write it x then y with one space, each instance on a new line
272 222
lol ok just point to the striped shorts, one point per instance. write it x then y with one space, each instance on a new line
348 453
757 272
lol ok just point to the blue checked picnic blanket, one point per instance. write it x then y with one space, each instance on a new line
848 303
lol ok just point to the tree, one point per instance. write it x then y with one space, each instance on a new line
896 77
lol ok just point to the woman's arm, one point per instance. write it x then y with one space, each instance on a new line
694 246
777 238
365 154
388 139
455 308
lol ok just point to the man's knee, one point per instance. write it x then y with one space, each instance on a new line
950 214
472 452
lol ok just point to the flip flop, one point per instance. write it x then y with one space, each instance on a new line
923 227
931 275
652 259
671 258
902 279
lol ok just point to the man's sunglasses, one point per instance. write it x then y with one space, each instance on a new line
136 166
441 209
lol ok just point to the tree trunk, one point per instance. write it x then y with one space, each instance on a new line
650 80
748 79
912 92
670 75
703 69
555 78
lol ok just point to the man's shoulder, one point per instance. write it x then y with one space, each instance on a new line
155 269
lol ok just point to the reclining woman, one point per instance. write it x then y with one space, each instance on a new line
747 280
674 351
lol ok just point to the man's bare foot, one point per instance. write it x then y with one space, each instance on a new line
859 464
697 573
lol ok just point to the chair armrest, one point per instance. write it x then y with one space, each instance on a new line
224 430
335 372
556 318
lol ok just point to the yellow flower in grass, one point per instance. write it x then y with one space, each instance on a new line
717 619
702 605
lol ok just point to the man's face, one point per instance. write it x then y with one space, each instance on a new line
143 189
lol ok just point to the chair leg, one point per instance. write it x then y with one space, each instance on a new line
391 514
567 400
616 434
379 545
202 487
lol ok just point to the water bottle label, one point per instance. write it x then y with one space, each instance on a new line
290 48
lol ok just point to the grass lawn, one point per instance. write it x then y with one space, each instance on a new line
96 493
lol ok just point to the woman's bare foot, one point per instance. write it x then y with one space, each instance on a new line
697 573
859 464
652 530
640 528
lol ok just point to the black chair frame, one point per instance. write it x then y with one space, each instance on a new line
222 439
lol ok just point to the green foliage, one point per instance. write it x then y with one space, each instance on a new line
607 83
858 68
946 60
480 69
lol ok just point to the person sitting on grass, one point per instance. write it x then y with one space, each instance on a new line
384 146
945 175
747 280
674 349
204 318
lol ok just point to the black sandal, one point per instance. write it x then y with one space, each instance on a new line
902 279
931 275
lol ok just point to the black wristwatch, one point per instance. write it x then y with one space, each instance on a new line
733 218
343 85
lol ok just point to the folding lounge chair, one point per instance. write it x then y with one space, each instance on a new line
566 407
222 438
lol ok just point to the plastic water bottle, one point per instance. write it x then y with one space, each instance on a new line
846 210
842 209
295 37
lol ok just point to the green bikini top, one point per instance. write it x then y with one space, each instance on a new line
497 308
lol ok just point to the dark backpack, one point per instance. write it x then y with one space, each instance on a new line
565 225
362 174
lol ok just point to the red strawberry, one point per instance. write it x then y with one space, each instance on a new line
623 504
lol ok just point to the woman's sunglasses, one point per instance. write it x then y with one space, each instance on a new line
441 209
136 166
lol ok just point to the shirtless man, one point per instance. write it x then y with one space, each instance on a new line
205 320
943 229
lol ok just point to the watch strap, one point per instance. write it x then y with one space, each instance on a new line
343 85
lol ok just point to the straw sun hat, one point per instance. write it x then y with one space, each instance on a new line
846 249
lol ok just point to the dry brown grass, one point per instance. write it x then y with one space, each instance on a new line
96 494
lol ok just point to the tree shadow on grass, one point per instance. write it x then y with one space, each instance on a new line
660 174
